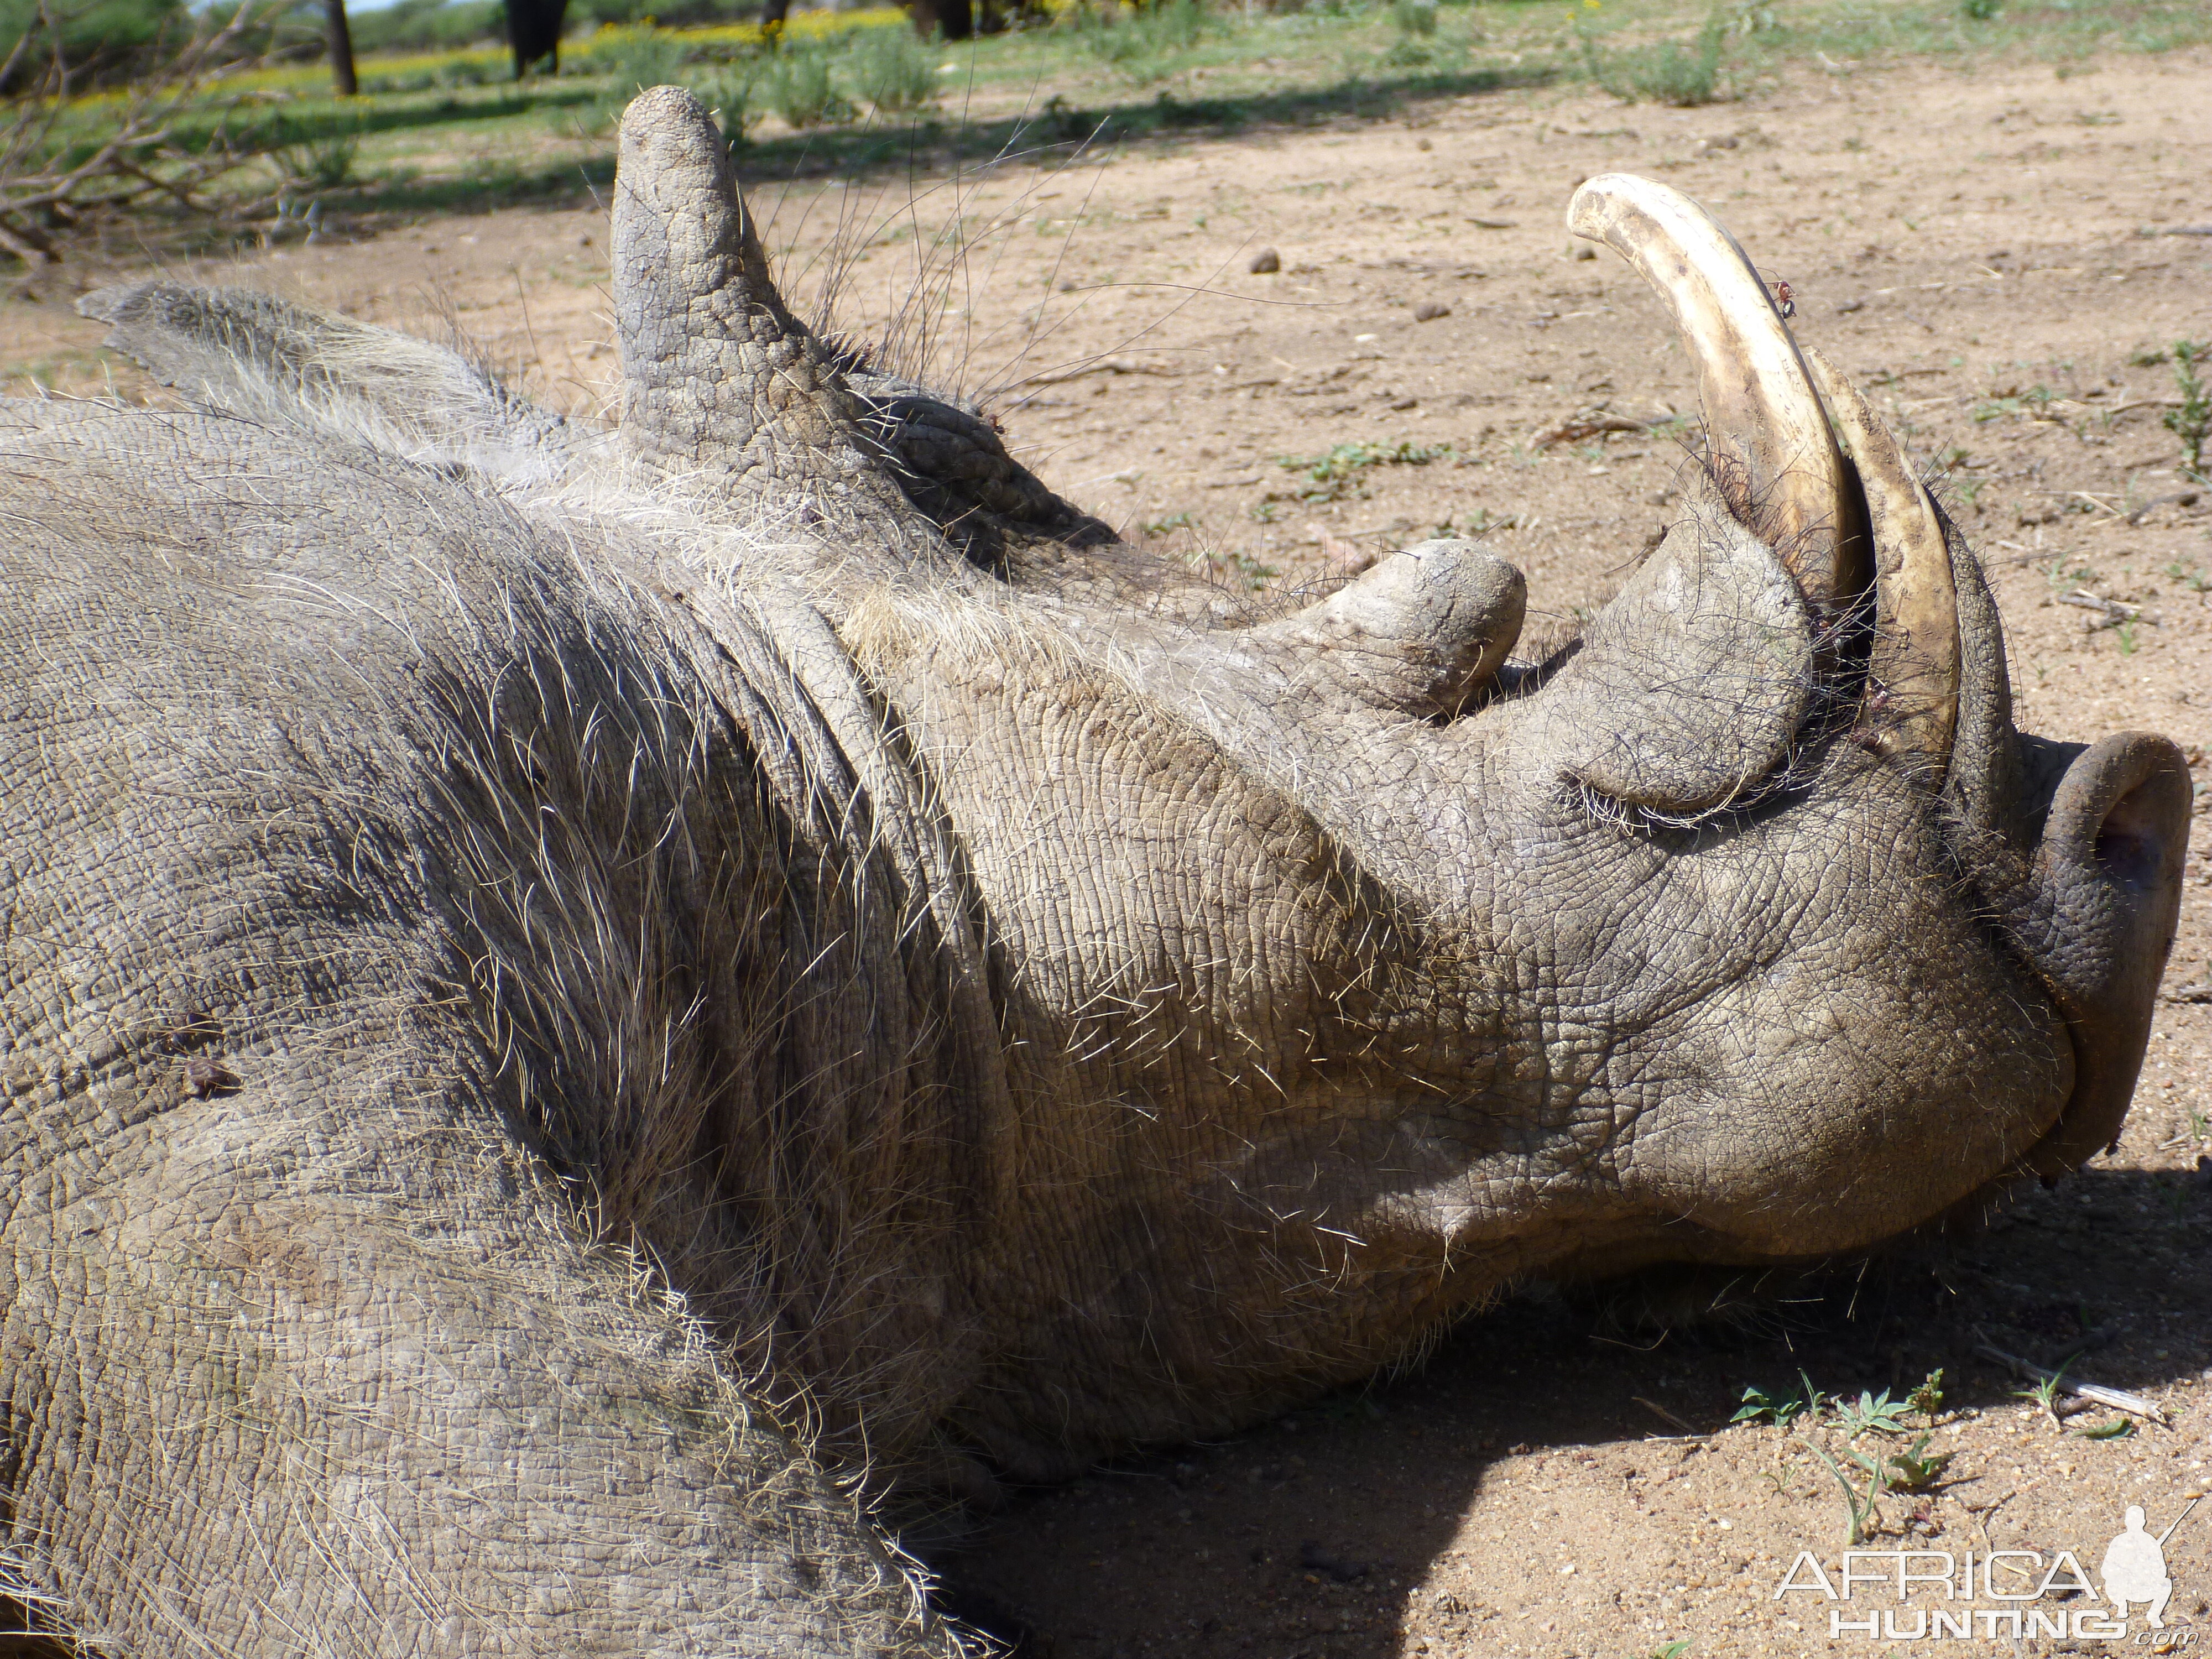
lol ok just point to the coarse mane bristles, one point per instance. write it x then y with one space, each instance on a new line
710 938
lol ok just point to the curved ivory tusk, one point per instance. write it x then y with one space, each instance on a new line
1768 443
1914 665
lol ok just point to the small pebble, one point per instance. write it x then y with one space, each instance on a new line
1429 310
1266 262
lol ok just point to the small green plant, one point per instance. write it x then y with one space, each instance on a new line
1337 476
1667 73
2002 405
2044 1392
321 164
1139 40
1780 1406
638 62
2123 633
2118 1429
2179 1194
1872 1413
798 86
892 71
1864 1509
1928 1398
2192 422
1916 1468
1414 18
729 96
1475 525
1235 570
1750 17
1172 521
2060 576
1674 1649
1979 11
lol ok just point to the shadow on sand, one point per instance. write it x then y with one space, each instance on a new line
1305 1536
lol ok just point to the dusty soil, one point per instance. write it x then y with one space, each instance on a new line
1995 256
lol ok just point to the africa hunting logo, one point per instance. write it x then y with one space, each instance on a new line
1953 1587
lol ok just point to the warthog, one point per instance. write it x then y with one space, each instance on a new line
568 991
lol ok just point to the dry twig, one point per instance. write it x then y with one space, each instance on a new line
50 179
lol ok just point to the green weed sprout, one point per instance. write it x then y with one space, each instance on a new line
2192 422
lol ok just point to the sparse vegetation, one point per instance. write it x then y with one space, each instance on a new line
1871 1414
1238 570
1862 1507
2192 422
798 85
1142 41
1414 18
892 71
1780 1407
1864 1473
2044 1393
324 164
1927 1398
1916 1468
1339 475
225 148
1668 72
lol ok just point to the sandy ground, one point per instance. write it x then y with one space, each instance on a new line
1996 257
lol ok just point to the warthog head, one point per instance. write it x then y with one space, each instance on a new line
1746 928
1020 1010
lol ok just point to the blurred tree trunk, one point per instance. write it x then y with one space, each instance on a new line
955 18
533 29
340 37
773 14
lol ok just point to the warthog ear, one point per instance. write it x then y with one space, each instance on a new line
734 398
256 355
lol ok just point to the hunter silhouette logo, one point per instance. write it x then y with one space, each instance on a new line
2134 1567
2028 1593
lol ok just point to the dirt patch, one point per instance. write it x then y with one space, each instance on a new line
1997 258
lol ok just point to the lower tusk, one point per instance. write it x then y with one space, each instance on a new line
1914 665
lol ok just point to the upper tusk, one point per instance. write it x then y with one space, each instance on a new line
1768 443
1914 663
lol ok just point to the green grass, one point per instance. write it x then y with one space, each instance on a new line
1662 71
856 92
2192 422
1341 473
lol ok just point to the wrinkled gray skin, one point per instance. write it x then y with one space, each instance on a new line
565 989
